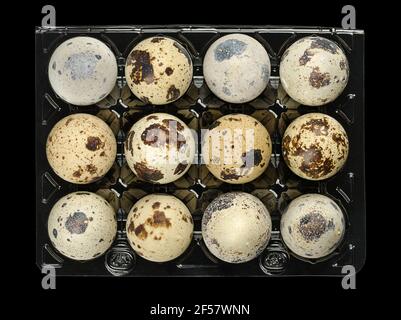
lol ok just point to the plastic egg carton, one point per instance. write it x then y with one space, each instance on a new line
198 108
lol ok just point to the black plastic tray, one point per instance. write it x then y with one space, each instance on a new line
198 108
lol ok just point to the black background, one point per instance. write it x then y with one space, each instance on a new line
133 297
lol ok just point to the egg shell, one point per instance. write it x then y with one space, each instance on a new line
159 70
82 225
82 71
312 226
159 227
159 148
315 146
237 148
236 68
314 71
81 148
236 227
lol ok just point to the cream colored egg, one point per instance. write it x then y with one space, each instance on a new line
159 227
314 71
82 225
315 146
237 148
81 148
236 68
312 226
236 227
159 148
82 71
159 70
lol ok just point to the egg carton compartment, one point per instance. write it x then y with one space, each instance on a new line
264 110
198 108
49 182
49 255
182 109
342 251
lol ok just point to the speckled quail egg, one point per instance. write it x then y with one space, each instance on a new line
82 225
159 70
82 71
236 68
237 148
314 71
159 227
315 146
236 227
81 148
312 226
159 148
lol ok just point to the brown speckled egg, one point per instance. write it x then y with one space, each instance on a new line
159 148
82 71
236 68
236 227
312 226
81 148
159 227
237 148
315 146
314 71
82 225
159 70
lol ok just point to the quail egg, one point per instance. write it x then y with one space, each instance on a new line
314 71
315 146
159 70
312 226
236 68
237 148
159 227
82 225
82 71
236 227
159 148
81 148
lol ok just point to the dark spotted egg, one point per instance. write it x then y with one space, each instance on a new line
314 71
312 226
159 148
81 148
82 225
236 227
82 71
158 70
315 146
237 148
159 227
236 68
